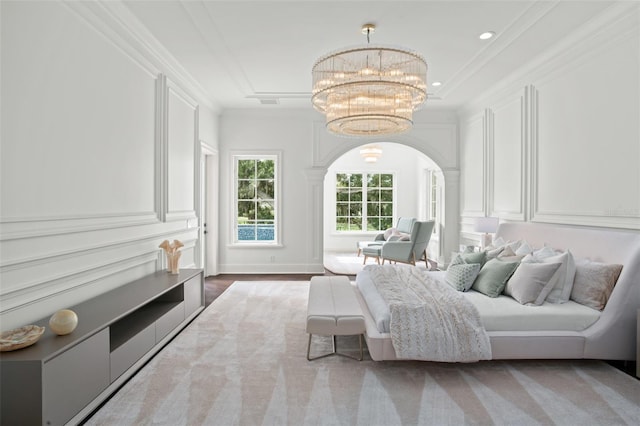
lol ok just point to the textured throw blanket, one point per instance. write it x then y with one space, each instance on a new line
429 320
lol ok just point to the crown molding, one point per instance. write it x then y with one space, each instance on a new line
618 22
520 25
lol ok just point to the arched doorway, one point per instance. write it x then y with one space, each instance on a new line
418 191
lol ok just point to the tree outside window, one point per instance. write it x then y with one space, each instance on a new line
256 199
364 201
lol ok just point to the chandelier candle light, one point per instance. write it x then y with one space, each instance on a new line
370 90
371 153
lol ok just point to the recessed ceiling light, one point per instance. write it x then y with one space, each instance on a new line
486 35
436 83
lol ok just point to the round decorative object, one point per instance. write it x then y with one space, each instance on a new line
63 322
20 337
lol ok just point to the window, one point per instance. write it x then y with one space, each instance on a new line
364 201
256 204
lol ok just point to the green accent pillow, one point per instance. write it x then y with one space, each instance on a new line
461 258
493 277
461 276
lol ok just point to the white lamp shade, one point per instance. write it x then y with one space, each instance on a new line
487 225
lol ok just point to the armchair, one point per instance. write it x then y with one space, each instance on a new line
409 251
403 228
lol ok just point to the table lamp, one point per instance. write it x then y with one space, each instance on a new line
487 225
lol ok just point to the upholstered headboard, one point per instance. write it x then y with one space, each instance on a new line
619 318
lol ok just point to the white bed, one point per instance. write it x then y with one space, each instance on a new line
568 330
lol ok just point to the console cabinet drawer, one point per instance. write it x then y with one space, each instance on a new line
169 321
192 295
74 378
131 351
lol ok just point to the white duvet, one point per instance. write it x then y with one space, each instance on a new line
497 314
428 319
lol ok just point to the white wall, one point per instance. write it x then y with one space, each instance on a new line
308 151
560 141
99 160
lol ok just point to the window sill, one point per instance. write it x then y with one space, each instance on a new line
253 245
356 233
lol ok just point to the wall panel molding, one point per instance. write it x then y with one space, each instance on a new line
507 135
180 146
48 226
474 128
50 272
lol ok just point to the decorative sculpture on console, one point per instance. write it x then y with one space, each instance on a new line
173 255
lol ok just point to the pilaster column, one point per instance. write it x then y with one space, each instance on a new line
315 219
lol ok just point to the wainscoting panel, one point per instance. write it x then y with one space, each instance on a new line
87 166
586 155
472 164
507 158
182 135
78 137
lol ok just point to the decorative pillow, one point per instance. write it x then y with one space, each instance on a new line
531 282
493 277
563 279
493 253
388 233
523 249
400 236
544 252
594 283
498 242
460 258
461 276
478 257
508 255
513 245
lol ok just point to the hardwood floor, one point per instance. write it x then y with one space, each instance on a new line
214 286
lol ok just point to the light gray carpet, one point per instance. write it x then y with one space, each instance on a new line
242 361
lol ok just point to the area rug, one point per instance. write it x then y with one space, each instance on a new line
243 362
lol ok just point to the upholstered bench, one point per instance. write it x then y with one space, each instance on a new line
333 310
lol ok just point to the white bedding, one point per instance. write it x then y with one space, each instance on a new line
497 314
429 320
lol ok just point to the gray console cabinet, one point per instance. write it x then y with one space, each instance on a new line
61 379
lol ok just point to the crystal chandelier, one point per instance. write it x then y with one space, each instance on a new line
371 153
370 90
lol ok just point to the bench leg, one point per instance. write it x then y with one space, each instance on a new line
335 350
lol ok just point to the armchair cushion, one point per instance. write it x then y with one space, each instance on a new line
405 224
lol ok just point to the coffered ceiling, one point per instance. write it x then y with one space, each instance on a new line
259 54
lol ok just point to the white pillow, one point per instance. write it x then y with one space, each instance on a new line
513 245
531 282
523 249
493 252
389 232
498 242
563 278
544 252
